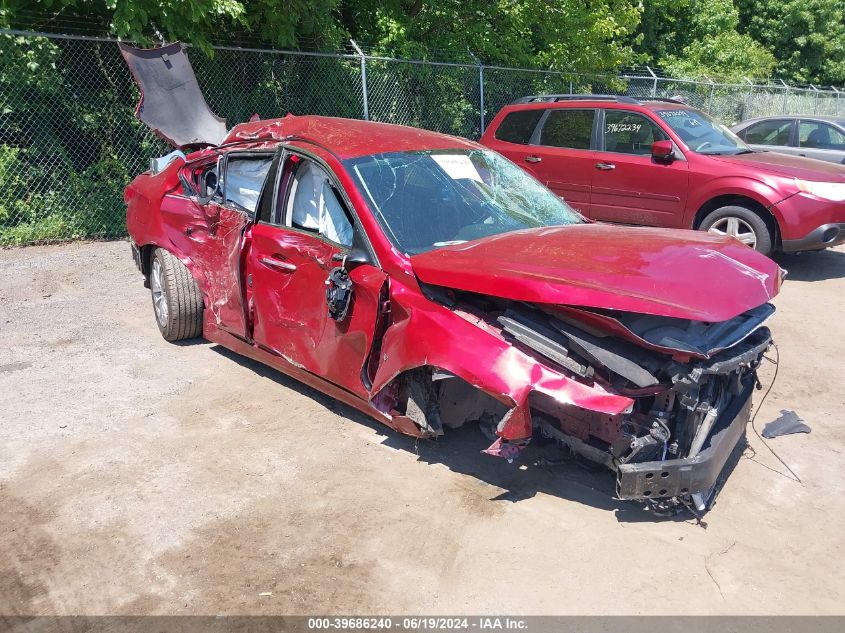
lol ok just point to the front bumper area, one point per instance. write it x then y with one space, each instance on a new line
824 236
690 475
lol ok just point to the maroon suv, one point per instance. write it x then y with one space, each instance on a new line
662 163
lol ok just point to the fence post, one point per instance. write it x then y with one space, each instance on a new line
710 96
480 87
363 79
816 100
748 97
654 85
837 98
785 95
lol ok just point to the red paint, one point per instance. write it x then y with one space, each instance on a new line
653 271
641 189
289 306
287 327
347 138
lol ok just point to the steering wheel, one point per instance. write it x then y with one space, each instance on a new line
704 145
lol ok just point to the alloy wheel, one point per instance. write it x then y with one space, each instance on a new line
157 287
735 227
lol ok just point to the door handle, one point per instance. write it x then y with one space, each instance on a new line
533 159
278 264
605 166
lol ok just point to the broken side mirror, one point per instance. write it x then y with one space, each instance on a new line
662 150
354 257
339 285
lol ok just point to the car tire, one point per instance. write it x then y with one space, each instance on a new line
744 224
177 301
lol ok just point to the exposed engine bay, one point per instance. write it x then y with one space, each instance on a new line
691 384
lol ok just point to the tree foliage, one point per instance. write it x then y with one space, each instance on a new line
695 38
562 33
808 36
798 40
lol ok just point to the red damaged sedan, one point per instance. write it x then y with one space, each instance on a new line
429 282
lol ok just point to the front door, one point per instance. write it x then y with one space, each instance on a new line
631 187
292 253
771 135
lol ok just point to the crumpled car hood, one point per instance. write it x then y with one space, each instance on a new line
674 273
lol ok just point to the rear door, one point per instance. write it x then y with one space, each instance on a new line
562 154
208 226
290 258
628 185
821 140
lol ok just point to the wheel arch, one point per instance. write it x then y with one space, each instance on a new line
740 200
147 251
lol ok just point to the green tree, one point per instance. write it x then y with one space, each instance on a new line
807 35
285 24
552 33
693 38
726 56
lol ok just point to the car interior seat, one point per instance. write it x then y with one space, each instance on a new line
818 138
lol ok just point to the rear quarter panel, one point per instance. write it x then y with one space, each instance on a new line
147 225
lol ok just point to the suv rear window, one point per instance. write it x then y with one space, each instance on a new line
571 129
517 127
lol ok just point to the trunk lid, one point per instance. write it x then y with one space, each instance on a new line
666 272
172 104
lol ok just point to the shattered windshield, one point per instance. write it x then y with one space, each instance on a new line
702 134
428 199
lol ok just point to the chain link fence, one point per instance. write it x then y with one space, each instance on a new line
69 140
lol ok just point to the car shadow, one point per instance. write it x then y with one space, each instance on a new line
813 265
542 468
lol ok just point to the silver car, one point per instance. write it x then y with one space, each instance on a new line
819 137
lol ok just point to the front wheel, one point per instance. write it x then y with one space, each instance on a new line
177 302
743 224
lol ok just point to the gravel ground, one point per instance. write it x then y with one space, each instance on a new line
142 477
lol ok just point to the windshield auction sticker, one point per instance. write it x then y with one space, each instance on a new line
457 166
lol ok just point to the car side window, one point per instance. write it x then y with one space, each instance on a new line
818 135
568 128
773 132
630 133
517 127
245 179
313 205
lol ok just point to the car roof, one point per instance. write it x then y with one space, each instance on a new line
542 102
346 138
804 117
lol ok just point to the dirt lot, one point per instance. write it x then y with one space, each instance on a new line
141 477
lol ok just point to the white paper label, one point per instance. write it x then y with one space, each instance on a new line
457 166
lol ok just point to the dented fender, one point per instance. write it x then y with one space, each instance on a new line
424 333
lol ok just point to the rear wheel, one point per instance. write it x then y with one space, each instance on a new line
743 224
177 302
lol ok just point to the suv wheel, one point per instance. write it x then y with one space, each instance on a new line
743 224
177 302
